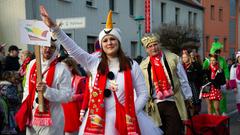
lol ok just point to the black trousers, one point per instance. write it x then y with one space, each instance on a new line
171 121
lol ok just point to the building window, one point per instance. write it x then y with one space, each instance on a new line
69 1
207 43
177 13
131 7
212 12
133 49
112 5
91 43
91 3
220 14
189 19
163 12
224 44
195 20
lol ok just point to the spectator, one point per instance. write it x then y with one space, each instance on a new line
10 95
2 58
12 60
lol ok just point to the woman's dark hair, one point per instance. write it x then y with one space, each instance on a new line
8 76
70 62
124 61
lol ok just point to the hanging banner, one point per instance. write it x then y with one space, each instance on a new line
35 33
147 16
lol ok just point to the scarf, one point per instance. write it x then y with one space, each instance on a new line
23 68
213 69
160 81
126 121
238 71
186 65
42 118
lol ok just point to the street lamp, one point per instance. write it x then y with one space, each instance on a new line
139 19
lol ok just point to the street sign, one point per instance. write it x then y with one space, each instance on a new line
72 23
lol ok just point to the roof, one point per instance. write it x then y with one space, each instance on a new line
190 3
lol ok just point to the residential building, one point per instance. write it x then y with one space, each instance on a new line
94 12
180 12
221 19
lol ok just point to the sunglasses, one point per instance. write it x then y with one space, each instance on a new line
110 76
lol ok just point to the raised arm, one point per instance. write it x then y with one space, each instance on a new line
75 51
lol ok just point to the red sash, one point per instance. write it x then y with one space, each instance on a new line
23 68
160 81
126 120
24 115
213 70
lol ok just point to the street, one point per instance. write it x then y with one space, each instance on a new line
232 113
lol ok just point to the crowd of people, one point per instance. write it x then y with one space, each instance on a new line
107 92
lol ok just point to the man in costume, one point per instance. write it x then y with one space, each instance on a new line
216 49
56 88
167 85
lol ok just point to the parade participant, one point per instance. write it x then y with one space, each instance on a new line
111 109
166 80
194 73
215 75
56 88
98 50
216 49
235 76
26 57
72 108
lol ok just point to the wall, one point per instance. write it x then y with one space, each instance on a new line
11 12
170 16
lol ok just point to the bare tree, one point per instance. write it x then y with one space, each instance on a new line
177 37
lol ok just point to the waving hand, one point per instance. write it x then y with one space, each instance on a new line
46 19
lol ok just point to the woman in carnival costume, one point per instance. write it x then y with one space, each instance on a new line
111 108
